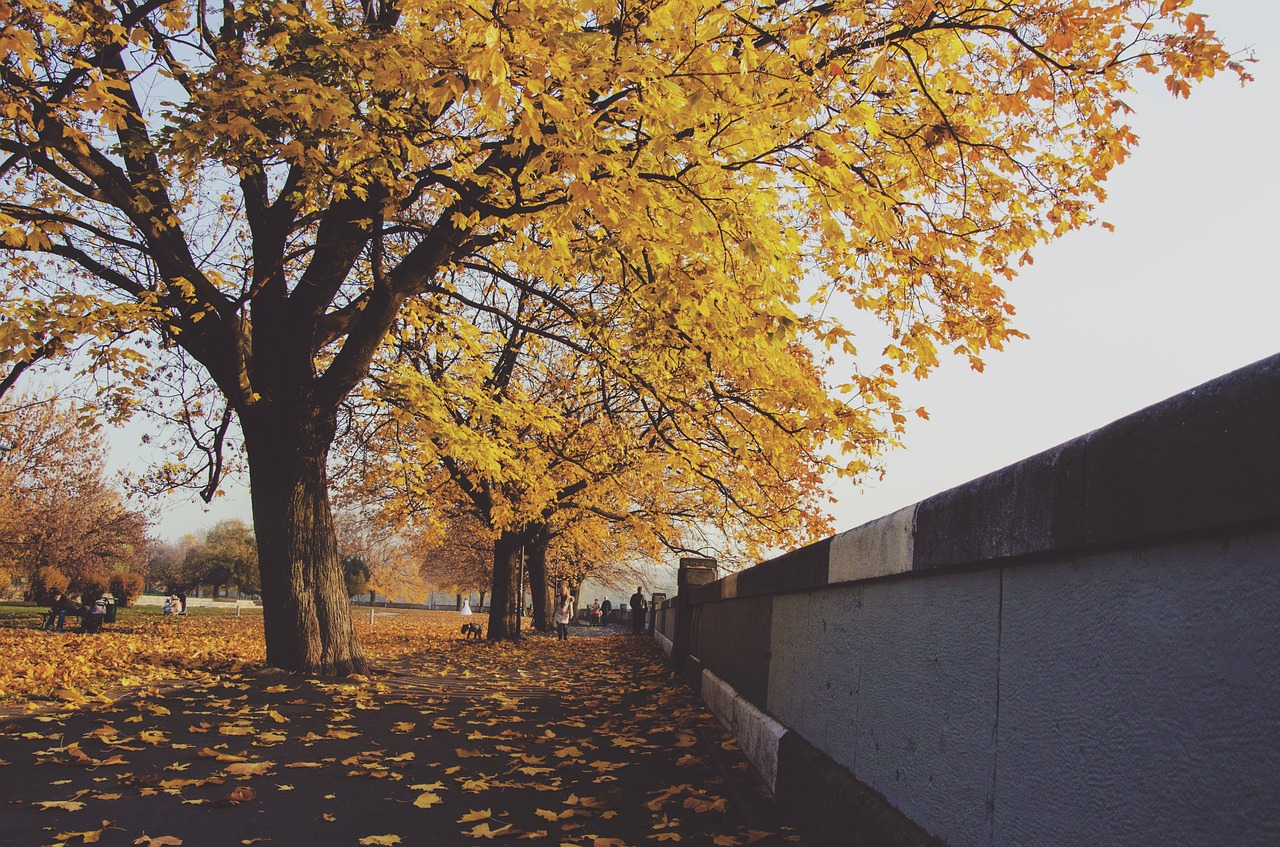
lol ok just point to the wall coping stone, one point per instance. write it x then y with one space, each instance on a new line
1200 464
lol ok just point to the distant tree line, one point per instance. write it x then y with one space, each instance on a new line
63 525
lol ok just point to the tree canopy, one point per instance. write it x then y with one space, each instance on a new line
57 507
274 189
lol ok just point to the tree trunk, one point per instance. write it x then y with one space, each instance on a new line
305 608
539 586
502 602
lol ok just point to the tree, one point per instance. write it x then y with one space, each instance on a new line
266 186
357 574
227 556
166 566
56 507
390 560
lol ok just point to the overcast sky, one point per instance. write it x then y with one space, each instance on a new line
1184 290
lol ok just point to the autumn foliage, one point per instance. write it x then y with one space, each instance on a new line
666 207
62 522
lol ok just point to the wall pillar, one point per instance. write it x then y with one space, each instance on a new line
693 572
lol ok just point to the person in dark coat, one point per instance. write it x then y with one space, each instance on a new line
58 612
637 611
605 608
94 615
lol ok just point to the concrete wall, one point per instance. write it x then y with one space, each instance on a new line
1083 648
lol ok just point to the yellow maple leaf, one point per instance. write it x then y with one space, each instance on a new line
474 815
427 799
65 805
380 839
428 786
89 837
236 729
249 768
484 831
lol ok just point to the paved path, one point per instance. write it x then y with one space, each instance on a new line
589 743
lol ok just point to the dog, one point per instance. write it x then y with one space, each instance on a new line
472 630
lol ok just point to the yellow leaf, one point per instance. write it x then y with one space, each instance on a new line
381 839
89 837
483 831
249 768
65 805
427 799
473 816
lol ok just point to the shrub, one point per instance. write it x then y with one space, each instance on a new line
126 587
46 582
91 588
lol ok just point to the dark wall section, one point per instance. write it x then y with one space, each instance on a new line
836 808
1207 460
733 637
795 571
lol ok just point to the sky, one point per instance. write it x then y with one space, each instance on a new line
1184 290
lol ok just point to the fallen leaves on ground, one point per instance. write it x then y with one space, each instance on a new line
590 743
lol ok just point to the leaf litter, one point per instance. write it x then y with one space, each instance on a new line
586 743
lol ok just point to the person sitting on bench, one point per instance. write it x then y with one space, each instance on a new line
94 616
57 615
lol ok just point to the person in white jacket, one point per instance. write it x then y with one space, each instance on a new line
562 613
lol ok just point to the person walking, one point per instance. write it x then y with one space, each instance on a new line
605 608
637 611
562 612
